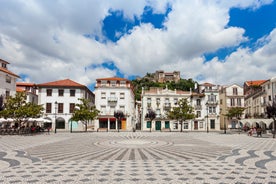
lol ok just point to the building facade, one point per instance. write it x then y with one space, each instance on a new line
230 96
210 111
160 101
59 99
7 80
161 76
29 89
112 95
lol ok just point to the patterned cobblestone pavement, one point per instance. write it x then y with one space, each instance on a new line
137 157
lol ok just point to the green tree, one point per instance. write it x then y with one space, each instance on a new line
182 112
119 115
235 112
85 112
271 113
151 115
20 110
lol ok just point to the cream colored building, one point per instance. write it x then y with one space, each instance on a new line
230 96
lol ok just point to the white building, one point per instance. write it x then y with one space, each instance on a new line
114 94
29 89
231 96
7 80
211 109
59 98
160 101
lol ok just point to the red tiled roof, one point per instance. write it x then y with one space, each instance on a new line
19 89
207 84
8 72
25 84
61 83
254 83
113 79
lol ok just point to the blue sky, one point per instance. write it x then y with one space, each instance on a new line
208 41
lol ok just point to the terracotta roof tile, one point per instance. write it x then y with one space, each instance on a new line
207 84
61 83
255 82
25 84
8 72
113 79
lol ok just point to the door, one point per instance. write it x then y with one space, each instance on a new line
167 124
196 125
158 125
123 124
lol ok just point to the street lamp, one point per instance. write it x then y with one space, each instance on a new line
207 120
56 116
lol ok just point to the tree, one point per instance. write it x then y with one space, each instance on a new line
1 103
271 113
85 112
235 112
182 112
151 115
18 109
119 115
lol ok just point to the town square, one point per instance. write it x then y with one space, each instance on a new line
138 157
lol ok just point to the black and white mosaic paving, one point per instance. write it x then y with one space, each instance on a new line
138 157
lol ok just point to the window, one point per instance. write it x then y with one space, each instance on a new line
123 83
49 92
72 92
48 108
103 95
8 79
212 98
175 101
7 93
212 110
60 107
198 102
212 124
158 113
122 108
112 109
113 83
71 107
103 109
235 91
4 65
198 114
269 98
201 124
60 92
167 124
232 102
112 94
239 102
186 125
122 95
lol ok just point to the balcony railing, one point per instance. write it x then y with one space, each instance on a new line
112 99
198 107
167 106
212 102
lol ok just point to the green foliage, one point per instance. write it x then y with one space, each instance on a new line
18 109
148 82
84 112
182 112
235 112
151 115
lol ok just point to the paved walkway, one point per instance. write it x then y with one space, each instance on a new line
138 157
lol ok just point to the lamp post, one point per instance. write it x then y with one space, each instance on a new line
56 116
224 125
207 120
